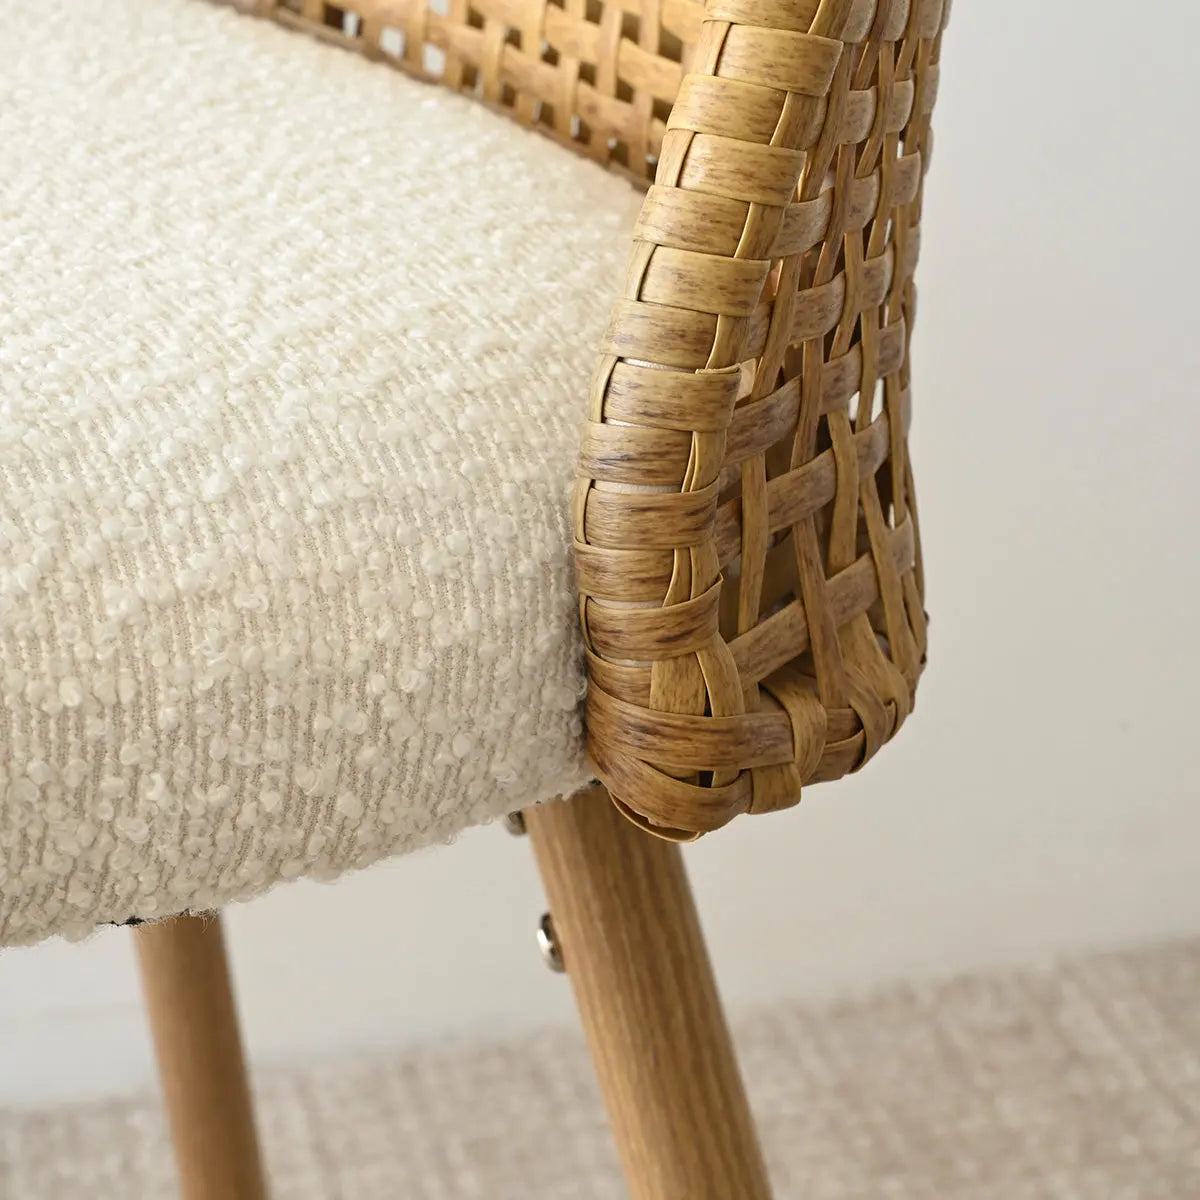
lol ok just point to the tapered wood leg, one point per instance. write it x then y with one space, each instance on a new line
630 937
185 976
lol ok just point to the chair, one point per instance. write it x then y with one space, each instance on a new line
292 372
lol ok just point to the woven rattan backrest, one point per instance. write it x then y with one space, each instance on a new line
746 530
746 537
598 74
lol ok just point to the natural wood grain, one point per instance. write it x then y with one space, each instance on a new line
631 940
185 976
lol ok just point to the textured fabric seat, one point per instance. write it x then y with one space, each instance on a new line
290 390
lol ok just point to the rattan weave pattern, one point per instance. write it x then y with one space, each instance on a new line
747 550
600 75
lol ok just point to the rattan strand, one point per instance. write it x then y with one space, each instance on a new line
748 557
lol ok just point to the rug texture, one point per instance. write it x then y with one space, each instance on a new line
1081 1082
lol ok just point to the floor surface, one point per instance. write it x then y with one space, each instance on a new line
1077 1083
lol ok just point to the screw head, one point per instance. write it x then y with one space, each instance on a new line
548 944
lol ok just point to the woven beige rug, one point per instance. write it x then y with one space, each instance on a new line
1079 1083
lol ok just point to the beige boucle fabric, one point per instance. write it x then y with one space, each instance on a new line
293 357
1079 1083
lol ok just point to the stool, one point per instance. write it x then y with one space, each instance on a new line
304 559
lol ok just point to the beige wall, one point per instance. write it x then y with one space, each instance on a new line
1045 796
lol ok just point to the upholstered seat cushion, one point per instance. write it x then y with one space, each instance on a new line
293 357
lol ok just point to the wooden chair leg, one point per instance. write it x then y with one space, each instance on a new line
185 977
630 938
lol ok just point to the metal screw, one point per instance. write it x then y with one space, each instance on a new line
515 823
548 944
